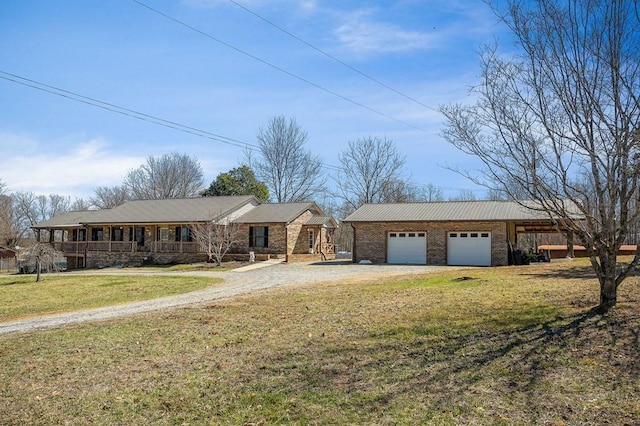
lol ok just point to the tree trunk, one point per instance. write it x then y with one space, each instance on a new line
38 268
608 294
608 280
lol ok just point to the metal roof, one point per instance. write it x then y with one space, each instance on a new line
326 221
66 220
186 210
177 210
189 210
276 213
447 211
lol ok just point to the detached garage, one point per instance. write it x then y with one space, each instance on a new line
407 247
473 233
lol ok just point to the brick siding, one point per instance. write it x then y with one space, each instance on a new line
371 239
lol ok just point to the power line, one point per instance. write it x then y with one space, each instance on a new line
124 111
155 120
134 114
328 55
282 70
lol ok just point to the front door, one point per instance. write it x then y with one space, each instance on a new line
312 241
139 231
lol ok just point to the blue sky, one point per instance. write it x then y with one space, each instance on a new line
127 55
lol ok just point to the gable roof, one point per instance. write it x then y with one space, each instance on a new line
174 210
446 211
276 213
66 220
326 221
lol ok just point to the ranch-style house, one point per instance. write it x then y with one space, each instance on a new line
161 231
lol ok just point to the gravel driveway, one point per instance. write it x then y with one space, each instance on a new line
261 276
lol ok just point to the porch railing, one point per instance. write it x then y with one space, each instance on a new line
328 248
79 247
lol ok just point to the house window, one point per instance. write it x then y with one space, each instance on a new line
163 234
258 236
78 235
97 234
312 240
185 233
118 234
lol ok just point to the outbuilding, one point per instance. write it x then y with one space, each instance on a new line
473 233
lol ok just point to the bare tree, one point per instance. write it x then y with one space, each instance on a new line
401 191
464 195
30 208
560 122
80 204
291 173
109 197
215 238
9 235
169 176
54 205
432 193
370 172
43 258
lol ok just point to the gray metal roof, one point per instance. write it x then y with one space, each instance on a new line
186 210
276 213
446 211
66 220
326 221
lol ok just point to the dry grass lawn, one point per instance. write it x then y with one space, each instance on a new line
21 296
494 346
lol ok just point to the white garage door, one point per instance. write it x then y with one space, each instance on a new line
469 248
407 247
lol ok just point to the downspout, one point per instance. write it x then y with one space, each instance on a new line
353 245
286 246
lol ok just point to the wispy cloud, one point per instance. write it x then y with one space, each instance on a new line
76 170
363 35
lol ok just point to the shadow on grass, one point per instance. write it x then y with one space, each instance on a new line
447 371
581 272
15 281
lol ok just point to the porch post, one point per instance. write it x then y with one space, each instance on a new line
570 251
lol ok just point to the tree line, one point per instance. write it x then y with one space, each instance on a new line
283 170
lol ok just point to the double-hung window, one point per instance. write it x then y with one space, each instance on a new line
259 236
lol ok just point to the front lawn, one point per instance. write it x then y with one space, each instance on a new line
491 346
21 296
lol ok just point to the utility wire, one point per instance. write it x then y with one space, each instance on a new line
134 114
153 119
328 55
124 111
282 70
